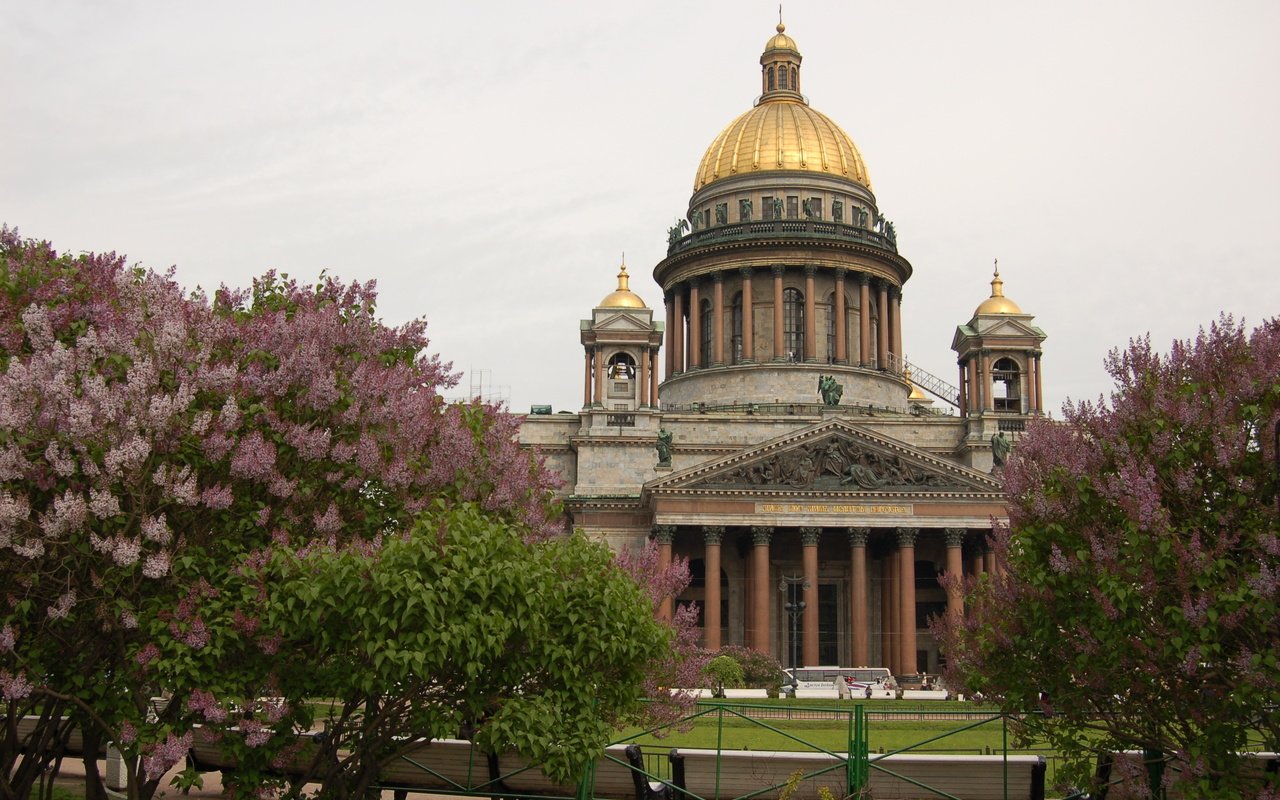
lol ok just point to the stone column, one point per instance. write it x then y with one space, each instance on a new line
1040 385
599 400
895 313
955 571
586 379
889 611
907 586
695 325
712 535
882 330
653 379
988 559
717 317
760 637
669 299
678 334
664 535
642 377
964 396
810 315
778 353
841 326
864 319
861 644
1032 395
748 318
988 399
809 646
975 392
977 562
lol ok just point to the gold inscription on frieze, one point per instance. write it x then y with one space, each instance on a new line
831 508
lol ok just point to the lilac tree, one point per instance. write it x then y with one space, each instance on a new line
1135 600
156 448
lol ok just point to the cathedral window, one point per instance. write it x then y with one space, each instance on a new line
793 207
795 79
771 79
766 208
1006 386
831 330
793 324
782 77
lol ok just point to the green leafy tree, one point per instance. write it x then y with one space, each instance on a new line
1135 597
723 672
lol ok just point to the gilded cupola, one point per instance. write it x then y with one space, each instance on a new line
622 297
997 303
782 131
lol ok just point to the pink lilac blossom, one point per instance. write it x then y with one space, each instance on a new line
63 606
7 639
146 654
103 504
14 687
255 732
156 565
162 756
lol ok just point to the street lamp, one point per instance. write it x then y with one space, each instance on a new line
795 609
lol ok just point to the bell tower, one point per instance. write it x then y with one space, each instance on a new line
998 352
621 342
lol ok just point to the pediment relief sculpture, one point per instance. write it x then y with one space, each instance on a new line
835 463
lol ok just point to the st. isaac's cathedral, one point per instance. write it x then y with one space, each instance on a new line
771 431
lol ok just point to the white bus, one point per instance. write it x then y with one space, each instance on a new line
857 679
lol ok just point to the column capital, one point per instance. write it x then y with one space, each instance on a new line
713 534
810 270
841 273
717 276
955 536
778 270
864 278
746 271
809 536
760 534
907 536
664 534
858 537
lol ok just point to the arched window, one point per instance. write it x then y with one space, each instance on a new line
793 324
622 367
737 328
771 79
795 80
704 347
1006 386
782 77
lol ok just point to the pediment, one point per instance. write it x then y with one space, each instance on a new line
1009 326
834 456
622 322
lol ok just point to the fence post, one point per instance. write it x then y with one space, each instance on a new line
856 768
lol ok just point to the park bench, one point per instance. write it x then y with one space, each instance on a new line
75 739
455 766
763 774
206 755
1123 775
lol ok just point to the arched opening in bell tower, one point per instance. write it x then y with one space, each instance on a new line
1006 386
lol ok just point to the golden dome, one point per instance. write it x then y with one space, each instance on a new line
781 41
997 303
782 132
622 297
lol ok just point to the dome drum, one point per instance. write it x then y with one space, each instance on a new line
776 384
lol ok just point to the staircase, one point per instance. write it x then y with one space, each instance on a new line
926 380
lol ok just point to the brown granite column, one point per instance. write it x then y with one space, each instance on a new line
643 376
858 618
882 330
976 561
669 299
717 317
664 535
712 535
988 559
975 388
964 397
598 402
678 334
653 379
586 378
955 571
760 637
889 602
907 587
841 326
748 318
988 399
1039 385
864 320
809 647
1032 394
895 314
778 353
810 316
695 325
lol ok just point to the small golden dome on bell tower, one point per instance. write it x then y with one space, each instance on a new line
622 297
997 303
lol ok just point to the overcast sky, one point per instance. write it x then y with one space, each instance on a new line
488 163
